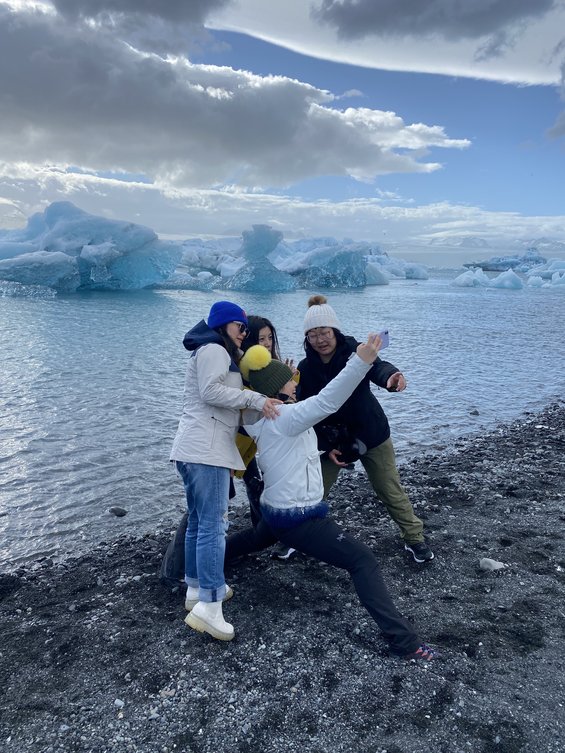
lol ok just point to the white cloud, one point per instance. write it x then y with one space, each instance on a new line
78 96
498 40
190 212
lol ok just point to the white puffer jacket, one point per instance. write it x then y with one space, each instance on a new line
213 398
287 450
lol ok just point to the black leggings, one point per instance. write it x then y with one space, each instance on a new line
323 539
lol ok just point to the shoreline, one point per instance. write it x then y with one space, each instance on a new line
96 656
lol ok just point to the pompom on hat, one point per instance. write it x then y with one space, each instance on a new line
224 312
320 314
265 374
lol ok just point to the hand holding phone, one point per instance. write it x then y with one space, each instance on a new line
384 338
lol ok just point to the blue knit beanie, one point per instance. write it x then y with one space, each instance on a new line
223 312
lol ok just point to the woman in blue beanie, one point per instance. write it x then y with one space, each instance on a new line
204 452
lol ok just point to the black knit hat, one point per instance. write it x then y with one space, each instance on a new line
265 374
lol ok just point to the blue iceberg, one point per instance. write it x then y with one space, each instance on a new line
517 262
67 249
475 278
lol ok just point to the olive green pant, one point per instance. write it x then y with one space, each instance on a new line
380 465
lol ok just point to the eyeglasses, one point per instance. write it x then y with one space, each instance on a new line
321 334
243 328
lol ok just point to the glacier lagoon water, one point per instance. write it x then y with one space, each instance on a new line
91 390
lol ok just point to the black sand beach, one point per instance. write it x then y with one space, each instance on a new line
95 655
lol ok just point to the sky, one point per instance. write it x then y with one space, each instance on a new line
408 122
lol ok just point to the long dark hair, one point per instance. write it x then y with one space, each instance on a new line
229 345
256 324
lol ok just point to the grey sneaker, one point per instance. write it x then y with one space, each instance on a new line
420 551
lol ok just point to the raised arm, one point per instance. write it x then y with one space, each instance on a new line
305 414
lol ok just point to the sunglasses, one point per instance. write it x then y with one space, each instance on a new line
242 327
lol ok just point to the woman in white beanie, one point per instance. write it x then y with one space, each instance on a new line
359 430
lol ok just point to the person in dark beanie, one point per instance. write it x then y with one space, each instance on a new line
262 332
204 453
359 430
292 506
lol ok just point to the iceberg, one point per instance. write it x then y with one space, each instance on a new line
508 280
415 271
257 273
546 271
68 249
519 263
375 274
344 270
475 278
261 277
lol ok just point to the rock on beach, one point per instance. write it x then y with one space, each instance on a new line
95 655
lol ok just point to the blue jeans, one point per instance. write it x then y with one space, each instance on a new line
207 489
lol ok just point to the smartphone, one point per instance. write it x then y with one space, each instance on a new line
385 338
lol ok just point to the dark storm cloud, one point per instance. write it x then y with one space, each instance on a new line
180 11
451 19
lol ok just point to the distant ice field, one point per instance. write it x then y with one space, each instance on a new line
91 390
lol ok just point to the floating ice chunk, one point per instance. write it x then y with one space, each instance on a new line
473 278
520 263
546 270
344 270
508 280
535 281
53 269
558 278
76 250
376 275
261 277
415 271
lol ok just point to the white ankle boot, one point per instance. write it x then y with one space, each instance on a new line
207 617
192 599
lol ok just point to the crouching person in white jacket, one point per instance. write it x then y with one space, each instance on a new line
292 506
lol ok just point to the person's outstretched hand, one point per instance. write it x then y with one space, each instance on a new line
269 410
396 382
369 351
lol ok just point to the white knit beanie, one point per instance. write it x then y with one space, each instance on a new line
320 314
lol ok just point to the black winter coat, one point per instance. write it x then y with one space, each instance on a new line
361 413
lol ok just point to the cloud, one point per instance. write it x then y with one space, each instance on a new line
498 20
185 212
76 97
497 40
179 11
151 25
